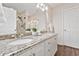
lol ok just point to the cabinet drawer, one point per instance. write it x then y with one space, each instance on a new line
38 50
50 46
25 52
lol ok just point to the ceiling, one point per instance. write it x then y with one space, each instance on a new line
30 7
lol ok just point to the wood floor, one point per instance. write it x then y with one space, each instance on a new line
67 51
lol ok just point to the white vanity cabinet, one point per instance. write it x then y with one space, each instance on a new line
47 47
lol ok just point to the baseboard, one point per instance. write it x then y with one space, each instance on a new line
68 46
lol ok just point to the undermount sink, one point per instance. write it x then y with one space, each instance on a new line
21 41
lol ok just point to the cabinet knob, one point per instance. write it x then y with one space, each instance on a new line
65 30
48 42
48 49
33 54
55 38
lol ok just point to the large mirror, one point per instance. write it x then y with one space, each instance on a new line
27 23
31 17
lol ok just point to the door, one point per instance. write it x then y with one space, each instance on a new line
71 27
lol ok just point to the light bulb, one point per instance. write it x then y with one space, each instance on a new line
41 4
43 9
46 8
37 6
13 36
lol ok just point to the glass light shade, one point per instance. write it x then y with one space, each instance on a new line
37 6
43 9
46 8
41 4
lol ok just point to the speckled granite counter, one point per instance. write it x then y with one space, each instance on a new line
8 50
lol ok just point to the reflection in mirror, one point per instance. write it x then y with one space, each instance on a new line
2 15
7 22
26 24
38 21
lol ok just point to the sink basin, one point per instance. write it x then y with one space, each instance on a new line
20 41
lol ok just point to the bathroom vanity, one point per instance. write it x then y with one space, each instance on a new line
43 45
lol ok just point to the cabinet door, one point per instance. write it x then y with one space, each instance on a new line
38 50
47 48
50 46
26 52
53 45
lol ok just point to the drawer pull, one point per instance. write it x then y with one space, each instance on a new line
33 54
48 42
48 49
55 38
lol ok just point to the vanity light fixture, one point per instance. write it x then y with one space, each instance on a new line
42 6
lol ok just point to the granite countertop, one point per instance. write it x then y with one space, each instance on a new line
7 50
